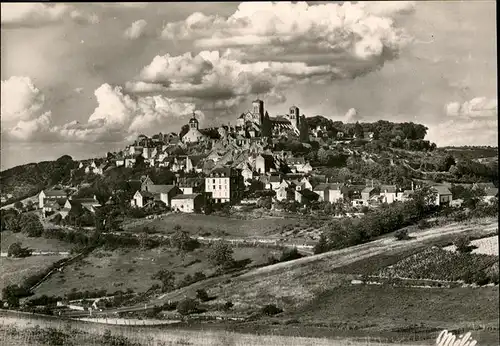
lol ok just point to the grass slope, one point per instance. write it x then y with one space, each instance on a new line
13 271
119 270
36 244
216 225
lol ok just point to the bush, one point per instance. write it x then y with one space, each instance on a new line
463 244
271 310
221 254
481 279
290 254
402 234
182 241
202 295
16 250
187 306
424 224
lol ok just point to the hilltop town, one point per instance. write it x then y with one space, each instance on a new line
195 210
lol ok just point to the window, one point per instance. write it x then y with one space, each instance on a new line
220 187
213 187
213 181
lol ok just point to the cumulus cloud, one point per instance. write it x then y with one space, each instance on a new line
136 29
351 116
211 76
40 13
473 122
477 107
355 38
22 110
119 116
458 132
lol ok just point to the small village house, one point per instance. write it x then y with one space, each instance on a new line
443 195
388 193
50 195
188 203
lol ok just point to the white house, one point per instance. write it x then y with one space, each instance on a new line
187 203
50 195
388 193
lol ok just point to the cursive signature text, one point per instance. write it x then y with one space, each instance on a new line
446 338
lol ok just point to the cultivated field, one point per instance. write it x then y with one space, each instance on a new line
123 269
38 244
13 271
211 225
20 330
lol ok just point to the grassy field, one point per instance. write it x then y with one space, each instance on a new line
122 269
216 226
14 270
386 308
36 244
20 330
297 286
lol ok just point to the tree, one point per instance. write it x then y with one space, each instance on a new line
19 205
463 244
167 279
184 130
16 250
290 254
221 254
182 241
31 225
187 306
322 245
202 295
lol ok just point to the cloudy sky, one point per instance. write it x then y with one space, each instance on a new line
83 79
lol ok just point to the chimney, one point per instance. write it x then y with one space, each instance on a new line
372 182
327 179
412 185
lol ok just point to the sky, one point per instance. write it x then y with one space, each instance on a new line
83 79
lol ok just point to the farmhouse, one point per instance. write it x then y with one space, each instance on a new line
388 193
50 195
443 195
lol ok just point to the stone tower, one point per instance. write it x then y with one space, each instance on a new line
294 116
258 111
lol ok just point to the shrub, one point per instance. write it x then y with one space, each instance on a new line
16 250
423 224
221 254
167 279
271 310
290 254
463 245
402 234
182 241
481 279
202 295
187 306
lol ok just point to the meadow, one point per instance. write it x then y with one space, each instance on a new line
210 225
38 244
13 271
124 269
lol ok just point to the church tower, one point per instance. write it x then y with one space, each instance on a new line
258 111
193 122
294 116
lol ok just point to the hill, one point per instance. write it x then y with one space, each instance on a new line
318 290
